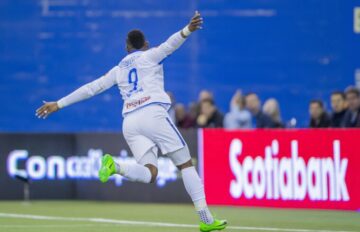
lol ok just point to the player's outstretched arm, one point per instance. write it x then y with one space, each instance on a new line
159 53
84 92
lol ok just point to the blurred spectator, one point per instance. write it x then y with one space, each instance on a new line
238 117
171 111
318 116
209 115
260 119
352 116
271 107
183 119
194 110
338 105
205 95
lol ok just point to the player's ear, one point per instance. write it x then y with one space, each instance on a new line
146 45
127 48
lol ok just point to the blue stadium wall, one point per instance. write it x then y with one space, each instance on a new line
293 50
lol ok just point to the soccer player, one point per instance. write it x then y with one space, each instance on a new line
147 126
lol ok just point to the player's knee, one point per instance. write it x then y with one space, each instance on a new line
154 172
187 164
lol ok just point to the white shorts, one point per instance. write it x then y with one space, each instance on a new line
151 128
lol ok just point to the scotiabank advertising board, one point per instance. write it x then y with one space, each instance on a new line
282 168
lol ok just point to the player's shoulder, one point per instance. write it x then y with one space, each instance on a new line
149 56
145 53
150 51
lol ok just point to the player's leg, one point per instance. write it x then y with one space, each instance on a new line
143 149
195 188
144 171
193 184
162 131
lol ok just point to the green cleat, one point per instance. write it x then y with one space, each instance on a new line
107 168
217 225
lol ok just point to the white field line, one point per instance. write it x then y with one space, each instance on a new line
153 224
51 225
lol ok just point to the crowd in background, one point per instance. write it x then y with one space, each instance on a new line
247 111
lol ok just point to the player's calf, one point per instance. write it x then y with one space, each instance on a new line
154 172
134 172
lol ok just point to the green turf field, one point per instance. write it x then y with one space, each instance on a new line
85 216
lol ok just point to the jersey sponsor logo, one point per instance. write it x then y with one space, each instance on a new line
135 104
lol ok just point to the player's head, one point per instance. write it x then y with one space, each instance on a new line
135 40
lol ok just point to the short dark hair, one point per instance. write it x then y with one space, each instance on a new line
353 90
136 39
341 93
317 101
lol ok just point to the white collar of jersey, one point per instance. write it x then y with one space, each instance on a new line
133 51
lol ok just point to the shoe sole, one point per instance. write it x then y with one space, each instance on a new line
220 227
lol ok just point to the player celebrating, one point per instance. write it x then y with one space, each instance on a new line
147 126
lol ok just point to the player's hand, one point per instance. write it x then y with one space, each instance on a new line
195 22
46 109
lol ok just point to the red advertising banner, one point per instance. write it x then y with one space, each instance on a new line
306 168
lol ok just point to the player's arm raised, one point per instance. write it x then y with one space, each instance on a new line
195 24
159 53
84 92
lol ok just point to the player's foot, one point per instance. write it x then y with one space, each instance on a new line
107 168
216 225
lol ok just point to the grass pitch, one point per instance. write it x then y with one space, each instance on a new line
88 216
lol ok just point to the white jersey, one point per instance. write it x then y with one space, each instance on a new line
139 76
